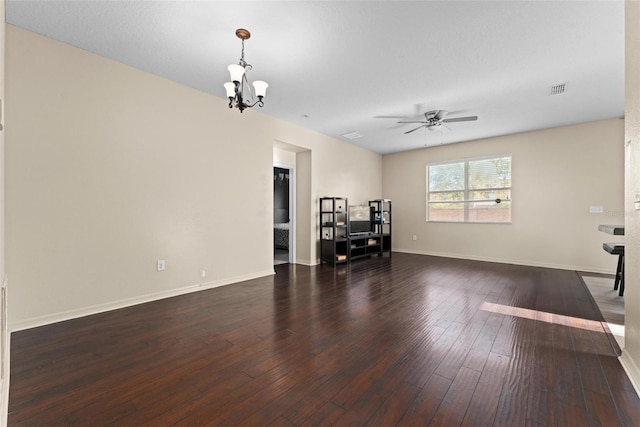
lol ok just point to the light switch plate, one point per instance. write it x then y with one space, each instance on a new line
596 209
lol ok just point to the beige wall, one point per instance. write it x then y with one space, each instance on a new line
4 336
305 211
285 157
631 354
557 174
109 169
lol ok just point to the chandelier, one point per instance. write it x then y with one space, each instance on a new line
238 89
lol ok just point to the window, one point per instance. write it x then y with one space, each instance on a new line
473 190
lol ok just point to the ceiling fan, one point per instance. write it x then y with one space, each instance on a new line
434 120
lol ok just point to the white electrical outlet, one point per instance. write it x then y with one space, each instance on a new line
204 273
596 209
160 265
415 237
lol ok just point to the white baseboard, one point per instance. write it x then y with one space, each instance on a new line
306 262
506 261
114 305
631 369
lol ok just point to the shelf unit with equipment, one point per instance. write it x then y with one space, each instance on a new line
382 222
351 232
334 232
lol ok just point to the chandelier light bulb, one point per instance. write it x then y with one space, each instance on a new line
260 88
230 87
236 71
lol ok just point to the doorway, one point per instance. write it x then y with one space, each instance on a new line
283 214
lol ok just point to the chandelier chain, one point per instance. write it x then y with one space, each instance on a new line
242 61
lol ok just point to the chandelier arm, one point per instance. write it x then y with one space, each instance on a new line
259 103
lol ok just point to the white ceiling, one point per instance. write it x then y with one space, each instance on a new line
345 66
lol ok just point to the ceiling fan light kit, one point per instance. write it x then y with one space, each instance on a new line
238 89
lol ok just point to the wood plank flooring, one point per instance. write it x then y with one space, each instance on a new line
407 340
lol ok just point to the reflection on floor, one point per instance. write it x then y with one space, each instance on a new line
611 305
280 256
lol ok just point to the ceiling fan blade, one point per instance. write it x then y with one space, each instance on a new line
417 115
412 117
440 114
409 131
413 121
461 119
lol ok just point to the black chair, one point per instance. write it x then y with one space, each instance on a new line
617 249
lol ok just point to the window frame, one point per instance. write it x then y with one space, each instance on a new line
466 190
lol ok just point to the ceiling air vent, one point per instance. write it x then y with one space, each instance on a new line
353 135
558 89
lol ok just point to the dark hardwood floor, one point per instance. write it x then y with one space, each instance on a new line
407 340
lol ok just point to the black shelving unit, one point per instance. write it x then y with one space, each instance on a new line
382 223
334 237
339 245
